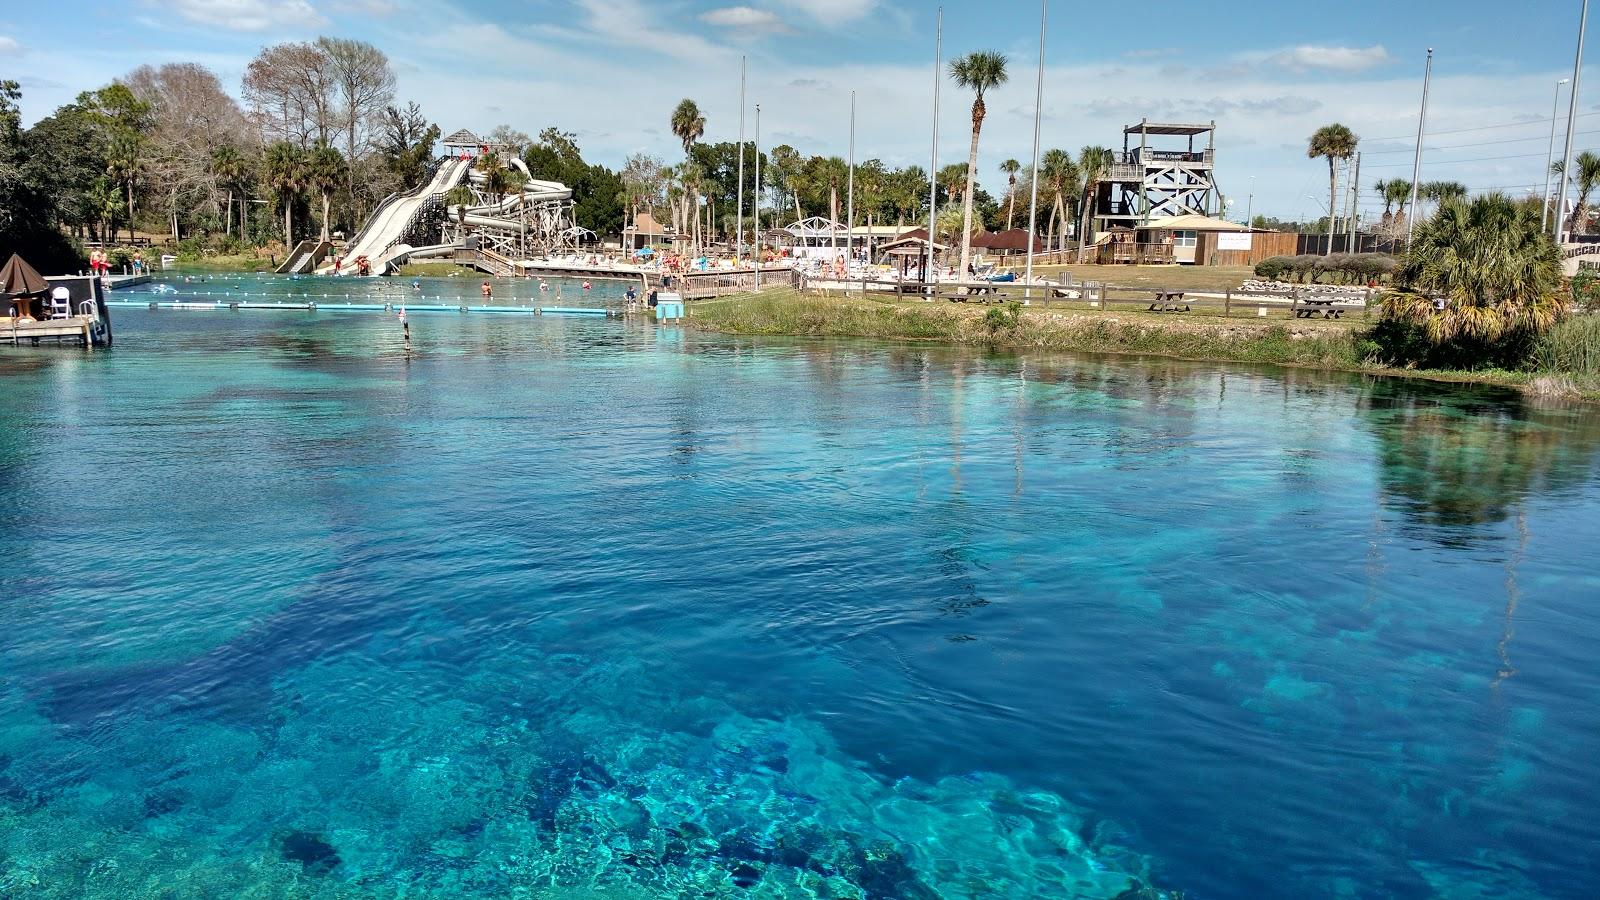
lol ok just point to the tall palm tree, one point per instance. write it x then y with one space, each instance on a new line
953 178
978 72
124 164
325 169
1094 164
1586 174
1491 261
285 171
689 125
229 167
496 175
1011 167
1335 142
1060 175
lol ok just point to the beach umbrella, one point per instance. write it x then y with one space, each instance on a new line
18 279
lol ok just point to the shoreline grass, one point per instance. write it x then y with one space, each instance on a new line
1335 345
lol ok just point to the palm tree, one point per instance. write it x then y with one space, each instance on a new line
689 125
1492 263
978 72
1335 142
459 197
496 176
325 169
953 178
124 163
1060 174
1396 194
1010 167
285 170
229 167
1441 192
1586 168
1094 163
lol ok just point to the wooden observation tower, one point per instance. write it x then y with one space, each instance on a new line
1152 182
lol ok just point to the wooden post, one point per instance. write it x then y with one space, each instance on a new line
1227 304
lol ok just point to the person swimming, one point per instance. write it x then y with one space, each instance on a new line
416 285
586 285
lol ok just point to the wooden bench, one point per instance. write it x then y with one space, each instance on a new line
1169 301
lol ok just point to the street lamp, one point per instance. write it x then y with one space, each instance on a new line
1549 154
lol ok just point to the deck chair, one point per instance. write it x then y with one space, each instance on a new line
60 303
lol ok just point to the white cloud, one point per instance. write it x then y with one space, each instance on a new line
744 18
835 12
1332 59
9 45
247 15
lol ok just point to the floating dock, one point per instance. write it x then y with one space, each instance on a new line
310 305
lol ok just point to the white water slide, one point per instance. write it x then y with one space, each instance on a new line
388 223
504 215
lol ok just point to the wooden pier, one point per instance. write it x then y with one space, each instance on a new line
84 320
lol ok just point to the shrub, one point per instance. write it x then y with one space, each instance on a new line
1334 265
1571 346
1586 290
1303 265
1275 268
1002 318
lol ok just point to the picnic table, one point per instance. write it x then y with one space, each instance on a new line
1312 307
1169 301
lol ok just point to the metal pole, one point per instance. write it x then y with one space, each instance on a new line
1355 206
1572 117
1416 163
933 167
1550 154
738 228
1250 205
1033 194
757 235
850 190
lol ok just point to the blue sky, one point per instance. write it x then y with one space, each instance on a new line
1269 73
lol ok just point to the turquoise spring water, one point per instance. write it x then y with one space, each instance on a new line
559 607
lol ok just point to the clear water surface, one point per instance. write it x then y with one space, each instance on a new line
559 607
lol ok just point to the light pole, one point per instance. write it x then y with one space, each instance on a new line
933 166
1033 195
1250 204
850 190
738 228
1416 165
757 252
1572 117
1549 155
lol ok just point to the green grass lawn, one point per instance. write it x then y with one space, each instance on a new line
1177 278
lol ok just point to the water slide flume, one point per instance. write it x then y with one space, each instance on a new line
388 223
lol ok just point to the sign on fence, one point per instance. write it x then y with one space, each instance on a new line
1234 240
